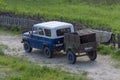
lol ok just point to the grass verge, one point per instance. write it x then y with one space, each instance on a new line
1 51
107 50
12 31
15 68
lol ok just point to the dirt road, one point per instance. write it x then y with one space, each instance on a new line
101 69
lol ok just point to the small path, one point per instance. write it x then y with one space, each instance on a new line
101 69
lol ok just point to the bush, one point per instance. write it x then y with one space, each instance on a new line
105 50
2 47
1 52
15 28
116 54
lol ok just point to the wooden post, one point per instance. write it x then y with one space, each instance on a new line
114 40
119 40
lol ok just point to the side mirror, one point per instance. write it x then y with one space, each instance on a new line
30 33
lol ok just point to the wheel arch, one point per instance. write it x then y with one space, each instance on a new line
26 39
69 49
71 56
45 45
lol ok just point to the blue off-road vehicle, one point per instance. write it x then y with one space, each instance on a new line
56 36
47 36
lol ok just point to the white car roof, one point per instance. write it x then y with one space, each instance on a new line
53 25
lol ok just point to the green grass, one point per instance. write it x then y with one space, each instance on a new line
1 52
107 50
15 68
93 15
114 53
12 31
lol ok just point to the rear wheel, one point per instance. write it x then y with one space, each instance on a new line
71 57
47 52
92 55
27 47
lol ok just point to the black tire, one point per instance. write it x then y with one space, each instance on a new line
92 55
47 52
71 57
27 47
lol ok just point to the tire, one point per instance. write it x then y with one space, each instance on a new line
47 52
71 57
27 47
92 55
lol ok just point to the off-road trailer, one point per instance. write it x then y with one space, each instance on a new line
80 43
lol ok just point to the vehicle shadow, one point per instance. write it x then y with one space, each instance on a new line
61 59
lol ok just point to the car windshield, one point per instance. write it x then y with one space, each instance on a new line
61 32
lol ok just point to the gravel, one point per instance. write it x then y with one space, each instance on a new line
101 69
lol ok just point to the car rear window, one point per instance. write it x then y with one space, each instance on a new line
47 32
60 32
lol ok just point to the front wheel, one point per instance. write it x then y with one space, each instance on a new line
27 47
92 55
47 52
71 57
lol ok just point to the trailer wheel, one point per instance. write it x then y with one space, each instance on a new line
47 52
92 55
27 47
71 57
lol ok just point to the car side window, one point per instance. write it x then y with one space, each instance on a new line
35 30
47 32
40 31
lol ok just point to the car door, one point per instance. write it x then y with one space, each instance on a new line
40 38
36 39
33 38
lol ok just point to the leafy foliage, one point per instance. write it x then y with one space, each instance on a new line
1 52
1 49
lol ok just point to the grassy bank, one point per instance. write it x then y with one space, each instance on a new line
14 68
88 13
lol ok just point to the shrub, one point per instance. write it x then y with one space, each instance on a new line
105 50
1 52
2 47
116 54
15 28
